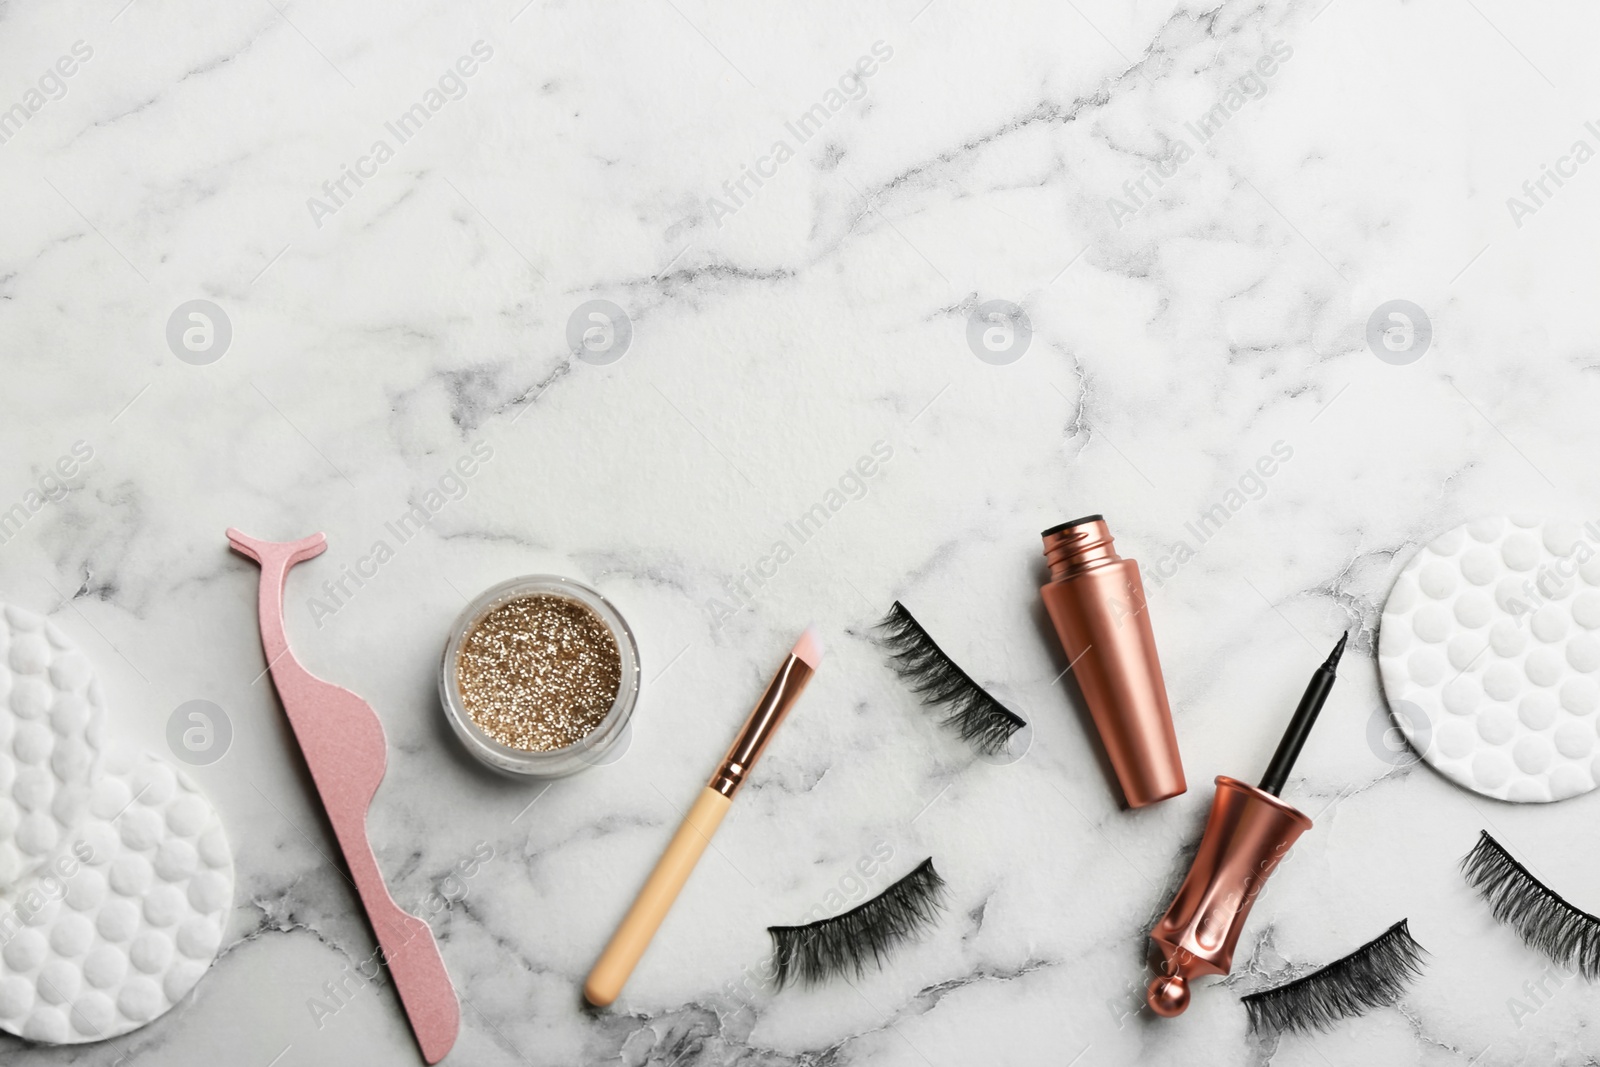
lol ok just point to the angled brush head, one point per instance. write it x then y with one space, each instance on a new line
1373 976
808 649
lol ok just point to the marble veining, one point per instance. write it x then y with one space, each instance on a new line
1201 288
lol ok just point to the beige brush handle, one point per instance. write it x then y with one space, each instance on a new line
633 936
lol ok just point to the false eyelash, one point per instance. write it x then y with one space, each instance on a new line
1543 919
979 718
1373 976
869 931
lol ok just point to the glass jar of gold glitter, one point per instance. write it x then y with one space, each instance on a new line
540 676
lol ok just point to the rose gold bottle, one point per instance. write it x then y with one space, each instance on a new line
1248 832
1096 600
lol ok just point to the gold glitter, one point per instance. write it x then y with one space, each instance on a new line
539 672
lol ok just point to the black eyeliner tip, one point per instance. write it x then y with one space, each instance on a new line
1338 650
1305 715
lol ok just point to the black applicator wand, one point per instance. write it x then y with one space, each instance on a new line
1305 716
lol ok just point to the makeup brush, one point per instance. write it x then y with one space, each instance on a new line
1247 833
672 870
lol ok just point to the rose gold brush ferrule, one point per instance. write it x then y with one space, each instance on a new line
782 692
1096 601
1248 832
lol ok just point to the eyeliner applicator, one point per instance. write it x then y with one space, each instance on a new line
1247 833
1305 717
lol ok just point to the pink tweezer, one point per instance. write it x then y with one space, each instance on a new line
342 740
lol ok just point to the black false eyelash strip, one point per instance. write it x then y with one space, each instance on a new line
845 943
1373 976
979 718
1540 916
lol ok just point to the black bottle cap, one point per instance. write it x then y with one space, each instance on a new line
1074 522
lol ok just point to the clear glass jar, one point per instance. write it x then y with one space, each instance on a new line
592 748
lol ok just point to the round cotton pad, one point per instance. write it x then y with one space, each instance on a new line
50 712
124 918
1490 656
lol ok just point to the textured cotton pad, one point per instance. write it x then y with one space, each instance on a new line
50 718
124 918
1490 656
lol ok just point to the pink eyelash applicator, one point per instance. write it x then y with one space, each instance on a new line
342 740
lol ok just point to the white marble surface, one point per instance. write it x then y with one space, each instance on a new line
1174 343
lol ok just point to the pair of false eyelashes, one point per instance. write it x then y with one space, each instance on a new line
1374 975
1378 973
843 945
846 944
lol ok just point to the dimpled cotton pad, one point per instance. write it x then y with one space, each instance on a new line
124 918
50 712
1490 656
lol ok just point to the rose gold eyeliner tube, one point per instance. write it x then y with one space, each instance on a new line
1248 832
1096 600
672 870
